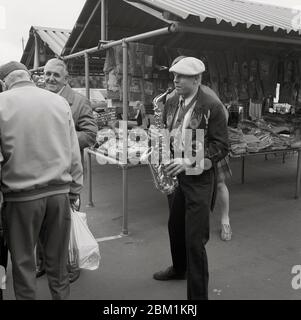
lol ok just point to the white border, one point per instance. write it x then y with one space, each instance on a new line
2 18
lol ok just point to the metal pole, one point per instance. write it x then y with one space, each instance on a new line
89 169
36 52
87 74
125 138
81 53
107 21
23 45
103 21
242 169
111 44
298 175
163 31
151 34
125 230
85 27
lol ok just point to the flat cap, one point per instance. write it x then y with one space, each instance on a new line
188 66
9 67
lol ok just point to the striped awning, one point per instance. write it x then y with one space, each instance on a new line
230 11
55 38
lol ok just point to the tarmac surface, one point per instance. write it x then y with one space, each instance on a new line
256 264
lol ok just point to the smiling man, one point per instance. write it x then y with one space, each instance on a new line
56 79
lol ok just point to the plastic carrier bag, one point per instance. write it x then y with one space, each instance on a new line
83 248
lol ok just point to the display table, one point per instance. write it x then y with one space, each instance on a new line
243 157
124 167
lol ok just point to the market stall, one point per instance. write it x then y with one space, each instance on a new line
242 69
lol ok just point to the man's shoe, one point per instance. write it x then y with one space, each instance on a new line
74 275
169 274
40 272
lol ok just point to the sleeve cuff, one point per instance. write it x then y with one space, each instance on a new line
73 196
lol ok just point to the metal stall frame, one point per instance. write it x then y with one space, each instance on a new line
105 45
175 27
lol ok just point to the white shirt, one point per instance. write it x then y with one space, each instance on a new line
187 117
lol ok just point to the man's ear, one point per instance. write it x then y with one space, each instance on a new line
196 79
67 77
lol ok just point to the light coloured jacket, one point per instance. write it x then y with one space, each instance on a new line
39 146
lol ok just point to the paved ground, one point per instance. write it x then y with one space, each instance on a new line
256 264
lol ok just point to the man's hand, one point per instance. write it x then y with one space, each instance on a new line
175 167
75 202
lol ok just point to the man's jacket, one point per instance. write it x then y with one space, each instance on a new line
209 108
85 124
39 149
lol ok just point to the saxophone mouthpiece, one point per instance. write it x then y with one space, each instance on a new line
169 90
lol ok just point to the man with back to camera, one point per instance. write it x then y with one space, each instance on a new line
194 107
3 247
41 177
56 80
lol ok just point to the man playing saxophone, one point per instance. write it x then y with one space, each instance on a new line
194 107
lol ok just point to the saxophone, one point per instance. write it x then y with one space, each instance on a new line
163 182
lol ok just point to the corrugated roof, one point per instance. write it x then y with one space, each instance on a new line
54 38
230 11
123 20
52 41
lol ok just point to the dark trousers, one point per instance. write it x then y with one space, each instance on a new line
188 228
40 261
48 217
3 256
3 247
40 255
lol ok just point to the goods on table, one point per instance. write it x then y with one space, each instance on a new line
104 116
237 142
255 136
110 143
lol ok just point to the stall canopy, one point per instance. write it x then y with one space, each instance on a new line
43 44
129 17
189 24
233 12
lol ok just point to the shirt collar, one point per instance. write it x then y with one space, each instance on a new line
67 93
60 92
22 83
188 99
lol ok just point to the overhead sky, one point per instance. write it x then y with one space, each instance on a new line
20 15
17 16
